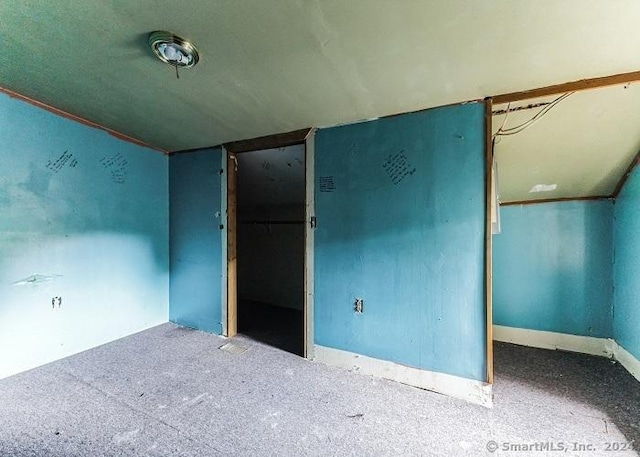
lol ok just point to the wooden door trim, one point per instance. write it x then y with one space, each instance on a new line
230 308
488 241
310 213
232 251
279 140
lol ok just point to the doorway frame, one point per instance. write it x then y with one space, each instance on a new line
229 288
488 240
501 99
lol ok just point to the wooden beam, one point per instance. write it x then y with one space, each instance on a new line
232 251
488 237
625 176
573 86
188 151
279 140
555 200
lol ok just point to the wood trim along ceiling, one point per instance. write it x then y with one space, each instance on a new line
554 200
81 120
187 151
573 86
279 140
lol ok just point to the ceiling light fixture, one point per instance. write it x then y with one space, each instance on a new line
173 50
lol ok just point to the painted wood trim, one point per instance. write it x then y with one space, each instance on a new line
81 120
279 140
555 200
628 361
309 346
488 236
454 386
232 251
224 219
472 391
189 151
603 347
573 86
625 176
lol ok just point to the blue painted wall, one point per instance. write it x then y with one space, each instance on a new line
552 267
83 216
196 240
626 312
400 207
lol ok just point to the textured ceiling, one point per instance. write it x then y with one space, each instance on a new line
276 66
580 148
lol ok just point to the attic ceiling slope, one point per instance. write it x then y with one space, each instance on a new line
580 148
271 67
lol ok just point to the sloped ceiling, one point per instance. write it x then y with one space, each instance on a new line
580 148
276 66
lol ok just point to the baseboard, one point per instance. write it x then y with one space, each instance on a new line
604 347
454 386
628 361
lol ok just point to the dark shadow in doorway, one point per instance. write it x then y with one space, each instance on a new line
273 325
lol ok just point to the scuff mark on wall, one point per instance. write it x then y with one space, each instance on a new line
35 279
37 182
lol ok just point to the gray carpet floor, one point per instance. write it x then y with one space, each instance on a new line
171 391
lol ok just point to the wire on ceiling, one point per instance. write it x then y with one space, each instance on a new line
502 131
520 108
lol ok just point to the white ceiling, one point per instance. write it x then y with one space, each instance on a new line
276 66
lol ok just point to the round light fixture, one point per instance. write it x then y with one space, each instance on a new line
173 50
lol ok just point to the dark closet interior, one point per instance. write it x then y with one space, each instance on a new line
271 246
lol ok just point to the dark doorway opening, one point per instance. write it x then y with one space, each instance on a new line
271 246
